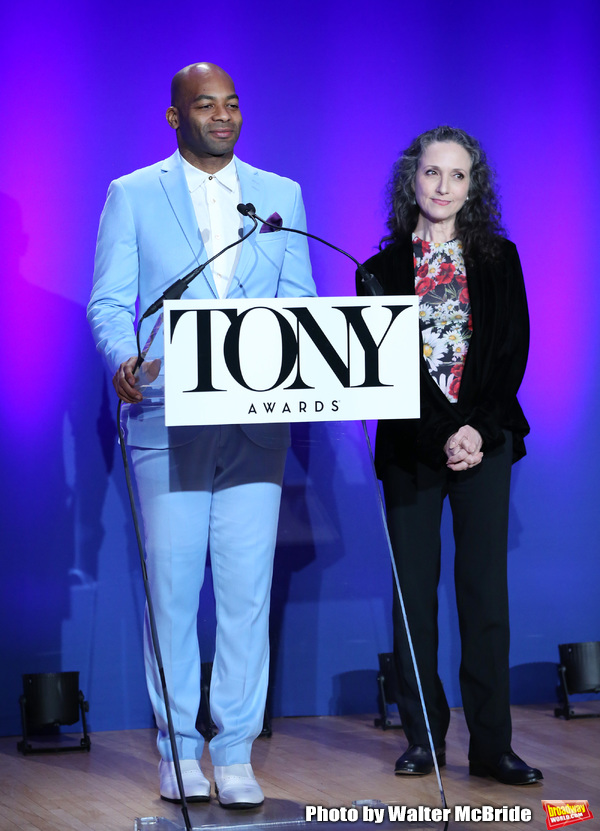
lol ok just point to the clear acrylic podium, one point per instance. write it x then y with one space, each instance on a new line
328 472
350 371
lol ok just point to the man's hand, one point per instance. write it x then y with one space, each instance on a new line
463 448
124 381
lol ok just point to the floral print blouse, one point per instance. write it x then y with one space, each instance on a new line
444 310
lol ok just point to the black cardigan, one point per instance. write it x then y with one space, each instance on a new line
493 371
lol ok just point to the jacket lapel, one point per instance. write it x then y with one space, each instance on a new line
176 190
474 284
406 273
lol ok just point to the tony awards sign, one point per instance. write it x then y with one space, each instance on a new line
291 359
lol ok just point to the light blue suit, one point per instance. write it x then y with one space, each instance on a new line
199 484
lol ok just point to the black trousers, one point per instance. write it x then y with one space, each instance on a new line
479 500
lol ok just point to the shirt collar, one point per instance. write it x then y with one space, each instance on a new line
195 177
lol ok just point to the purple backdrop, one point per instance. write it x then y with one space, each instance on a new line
330 94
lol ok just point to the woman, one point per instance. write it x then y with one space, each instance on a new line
445 244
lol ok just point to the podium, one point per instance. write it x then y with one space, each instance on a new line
272 361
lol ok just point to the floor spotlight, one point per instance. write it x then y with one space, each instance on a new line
49 700
578 672
387 689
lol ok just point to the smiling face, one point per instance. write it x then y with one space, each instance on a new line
441 188
206 115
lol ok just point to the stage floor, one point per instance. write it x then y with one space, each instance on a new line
327 761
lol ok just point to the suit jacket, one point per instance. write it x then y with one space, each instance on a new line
494 366
149 237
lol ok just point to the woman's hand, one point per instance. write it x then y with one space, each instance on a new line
124 381
463 448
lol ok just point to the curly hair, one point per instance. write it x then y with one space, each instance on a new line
478 223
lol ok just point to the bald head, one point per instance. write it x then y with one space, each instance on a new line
188 78
205 112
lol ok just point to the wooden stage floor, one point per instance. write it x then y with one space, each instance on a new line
326 761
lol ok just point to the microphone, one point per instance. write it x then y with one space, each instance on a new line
371 284
247 210
177 288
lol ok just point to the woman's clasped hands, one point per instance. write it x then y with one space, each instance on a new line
463 448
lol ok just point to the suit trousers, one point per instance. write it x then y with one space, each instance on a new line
220 490
479 500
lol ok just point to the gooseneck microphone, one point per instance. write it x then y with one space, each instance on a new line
248 210
370 282
175 290
373 288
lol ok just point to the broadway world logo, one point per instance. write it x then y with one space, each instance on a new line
561 812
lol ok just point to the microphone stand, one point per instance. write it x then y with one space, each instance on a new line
368 280
173 292
374 289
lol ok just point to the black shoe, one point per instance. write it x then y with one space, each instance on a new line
418 761
509 769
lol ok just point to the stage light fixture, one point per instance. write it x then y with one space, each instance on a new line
49 700
578 672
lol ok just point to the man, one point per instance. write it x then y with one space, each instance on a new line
200 485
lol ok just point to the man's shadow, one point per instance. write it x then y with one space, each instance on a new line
59 445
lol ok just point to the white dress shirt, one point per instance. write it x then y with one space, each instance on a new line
215 197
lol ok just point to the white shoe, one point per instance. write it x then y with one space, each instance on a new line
236 786
195 784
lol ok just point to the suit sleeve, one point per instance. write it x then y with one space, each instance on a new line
295 279
111 310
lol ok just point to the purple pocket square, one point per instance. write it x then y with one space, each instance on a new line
274 219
